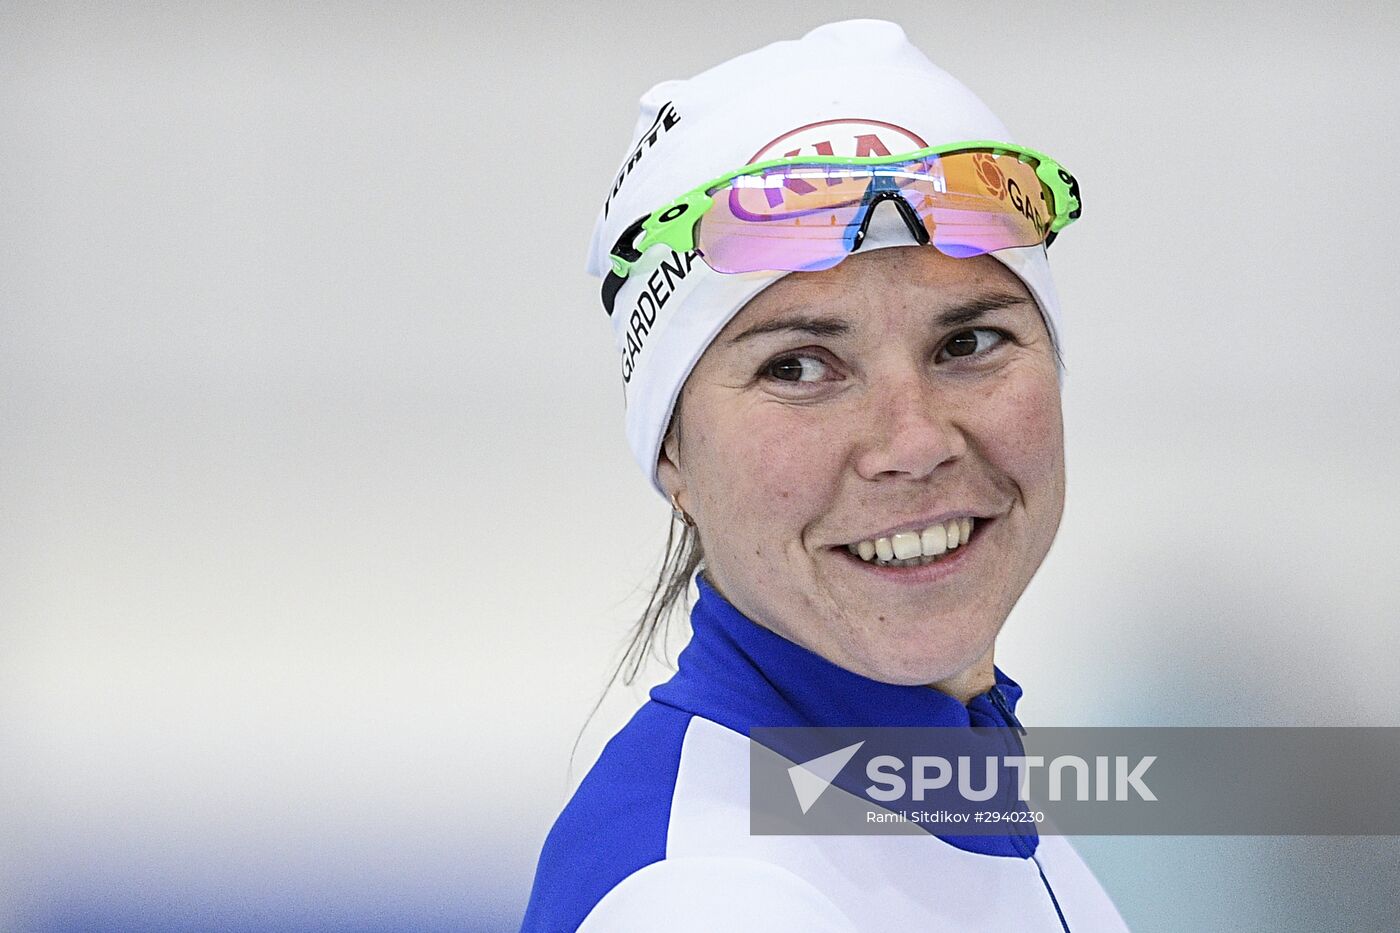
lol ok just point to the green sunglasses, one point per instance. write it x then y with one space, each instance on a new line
807 213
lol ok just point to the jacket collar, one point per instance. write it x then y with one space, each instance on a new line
741 675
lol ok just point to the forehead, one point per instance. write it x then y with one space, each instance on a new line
885 287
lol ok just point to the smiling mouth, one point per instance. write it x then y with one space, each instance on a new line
918 548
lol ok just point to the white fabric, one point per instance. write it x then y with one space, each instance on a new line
716 876
845 86
706 894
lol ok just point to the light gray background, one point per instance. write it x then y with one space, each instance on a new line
318 531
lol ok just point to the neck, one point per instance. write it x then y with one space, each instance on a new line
966 684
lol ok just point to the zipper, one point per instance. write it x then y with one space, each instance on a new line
1015 747
1000 703
1004 708
1064 924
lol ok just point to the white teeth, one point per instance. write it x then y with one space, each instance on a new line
913 548
906 545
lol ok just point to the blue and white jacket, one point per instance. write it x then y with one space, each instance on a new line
656 837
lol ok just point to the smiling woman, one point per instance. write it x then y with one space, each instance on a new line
876 403
842 370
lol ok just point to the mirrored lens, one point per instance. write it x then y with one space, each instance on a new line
804 218
796 218
977 202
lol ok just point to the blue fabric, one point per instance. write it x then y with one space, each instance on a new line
614 825
739 674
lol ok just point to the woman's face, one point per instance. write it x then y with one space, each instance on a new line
883 396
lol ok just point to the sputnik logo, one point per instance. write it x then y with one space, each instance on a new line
810 779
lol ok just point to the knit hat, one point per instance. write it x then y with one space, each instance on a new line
854 88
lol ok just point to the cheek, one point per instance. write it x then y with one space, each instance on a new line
773 462
1023 433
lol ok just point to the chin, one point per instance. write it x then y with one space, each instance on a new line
926 651
913 669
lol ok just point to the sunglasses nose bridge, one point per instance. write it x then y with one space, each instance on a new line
911 218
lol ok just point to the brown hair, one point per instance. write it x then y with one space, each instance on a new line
679 561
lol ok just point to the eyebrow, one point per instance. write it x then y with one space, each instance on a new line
818 326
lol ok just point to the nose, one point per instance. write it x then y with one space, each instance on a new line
910 430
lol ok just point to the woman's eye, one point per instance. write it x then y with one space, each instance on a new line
973 342
796 368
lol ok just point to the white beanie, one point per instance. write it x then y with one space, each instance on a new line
855 88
